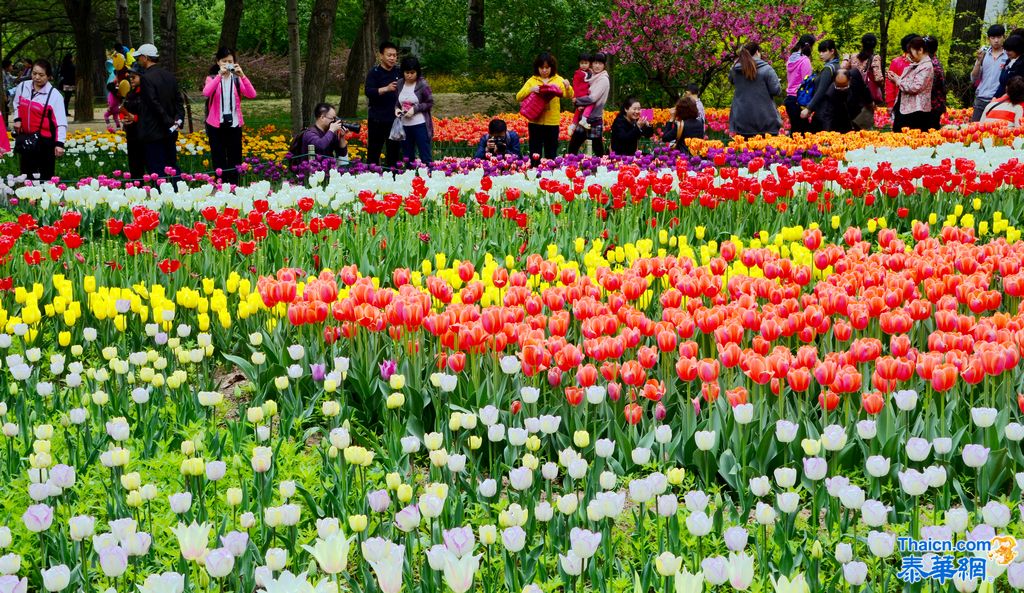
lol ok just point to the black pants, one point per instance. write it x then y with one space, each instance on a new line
578 138
543 142
377 132
918 120
136 156
40 164
225 150
797 124
161 154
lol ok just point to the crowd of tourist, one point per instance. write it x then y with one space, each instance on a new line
841 95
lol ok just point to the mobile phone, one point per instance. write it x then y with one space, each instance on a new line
647 114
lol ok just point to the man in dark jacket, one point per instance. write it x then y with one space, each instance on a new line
383 82
162 113
498 141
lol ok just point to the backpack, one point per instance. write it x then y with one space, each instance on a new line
296 148
805 94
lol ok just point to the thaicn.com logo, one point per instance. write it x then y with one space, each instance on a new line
942 560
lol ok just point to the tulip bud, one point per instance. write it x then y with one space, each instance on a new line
357 523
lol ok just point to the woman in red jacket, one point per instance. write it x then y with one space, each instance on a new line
40 119
225 87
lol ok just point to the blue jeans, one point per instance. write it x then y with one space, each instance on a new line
416 140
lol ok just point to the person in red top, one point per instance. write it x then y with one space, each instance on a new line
897 66
39 110
5 143
581 88
1010 107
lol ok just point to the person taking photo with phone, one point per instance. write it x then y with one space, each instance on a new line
382 86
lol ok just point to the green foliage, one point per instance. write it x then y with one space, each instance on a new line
199 26
434 29
518 31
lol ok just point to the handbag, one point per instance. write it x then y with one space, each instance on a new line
28 143
533 106
397 131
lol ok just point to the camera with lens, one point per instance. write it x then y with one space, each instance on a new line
500 144
229 67
350 126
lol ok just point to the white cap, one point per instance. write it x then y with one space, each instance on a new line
148 50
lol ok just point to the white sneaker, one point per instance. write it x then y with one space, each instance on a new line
584 124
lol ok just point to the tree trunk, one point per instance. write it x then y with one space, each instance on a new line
294 65
80 13
967 22
885 12
475 27
374 29
231 24
318 53
169 35
146 21
124 31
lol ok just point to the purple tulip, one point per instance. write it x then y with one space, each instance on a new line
388 368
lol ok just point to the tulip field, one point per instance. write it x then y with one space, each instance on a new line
774 365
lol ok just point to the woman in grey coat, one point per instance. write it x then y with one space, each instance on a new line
753 110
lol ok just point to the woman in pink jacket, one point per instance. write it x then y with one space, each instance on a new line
798 67
225 87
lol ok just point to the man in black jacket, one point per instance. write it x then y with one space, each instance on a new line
162 113
383 83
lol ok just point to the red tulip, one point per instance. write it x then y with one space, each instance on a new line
799 379
944 377
169 266
736 396
633 413
633 373
710 391
828 400
707 370
872 402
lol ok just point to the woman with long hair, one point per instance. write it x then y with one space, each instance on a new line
869 64
753 109
685 123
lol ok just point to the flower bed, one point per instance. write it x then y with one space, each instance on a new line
741 369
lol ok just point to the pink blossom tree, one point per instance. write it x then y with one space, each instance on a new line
693 41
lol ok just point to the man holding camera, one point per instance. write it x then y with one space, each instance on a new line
498 141
382 85
327 135
162 113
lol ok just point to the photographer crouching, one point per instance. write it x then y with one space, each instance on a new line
498 141
328 134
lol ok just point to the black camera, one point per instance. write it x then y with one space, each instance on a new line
500 144
350 126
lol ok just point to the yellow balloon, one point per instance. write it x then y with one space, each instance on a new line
123 87
118 62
